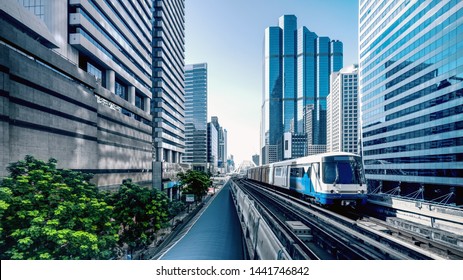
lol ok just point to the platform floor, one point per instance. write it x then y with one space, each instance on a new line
214 235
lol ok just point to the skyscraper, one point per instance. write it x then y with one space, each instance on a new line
76 79
342 112
168 107
212 148
222 144
411 88
296 69
196 116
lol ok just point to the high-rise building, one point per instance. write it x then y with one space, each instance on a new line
255 159
75 82
168 107
212 148
342 112
223 147
411 89
222 144
196 116
296 71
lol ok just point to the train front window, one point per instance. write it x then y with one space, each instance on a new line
342 170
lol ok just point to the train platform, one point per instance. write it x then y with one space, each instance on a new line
213 234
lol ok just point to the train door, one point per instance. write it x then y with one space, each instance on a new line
315 177
299 178
265 175
271 174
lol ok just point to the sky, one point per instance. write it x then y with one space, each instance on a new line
228 35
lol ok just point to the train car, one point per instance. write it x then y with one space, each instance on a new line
335 178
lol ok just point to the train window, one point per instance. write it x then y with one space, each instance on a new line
278 171
297 172
343 172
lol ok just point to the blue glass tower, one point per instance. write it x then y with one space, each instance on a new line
297 68
272 111
196 116
288 26
411 88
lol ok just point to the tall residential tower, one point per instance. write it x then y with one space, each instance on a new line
342 112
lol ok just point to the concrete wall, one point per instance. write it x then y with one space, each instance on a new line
49 108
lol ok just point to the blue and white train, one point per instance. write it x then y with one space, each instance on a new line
335 178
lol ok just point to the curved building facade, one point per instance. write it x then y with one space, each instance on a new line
411 88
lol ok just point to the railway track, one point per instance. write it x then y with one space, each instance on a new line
334 236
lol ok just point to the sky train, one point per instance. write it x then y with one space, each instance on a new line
335 178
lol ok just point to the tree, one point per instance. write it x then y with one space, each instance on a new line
195 182
175 207
47 213
140 212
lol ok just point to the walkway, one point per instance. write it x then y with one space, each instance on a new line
215 234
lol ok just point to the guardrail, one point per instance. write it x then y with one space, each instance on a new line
260 240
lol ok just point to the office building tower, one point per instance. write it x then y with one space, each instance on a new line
212 148
296 71
222 144
411 89
342 112
223 147
168 107
196 116
75 82
255 159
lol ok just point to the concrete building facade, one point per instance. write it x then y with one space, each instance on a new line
75 85
168 104
342 112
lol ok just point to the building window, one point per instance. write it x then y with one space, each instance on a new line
121 90
139 101
92 69
37 7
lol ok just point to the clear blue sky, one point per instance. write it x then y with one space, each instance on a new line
228 35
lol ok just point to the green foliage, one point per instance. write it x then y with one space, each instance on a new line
140 212
47 213
175 207
195 182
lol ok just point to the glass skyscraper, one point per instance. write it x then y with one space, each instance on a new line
196 116
411 86
296 69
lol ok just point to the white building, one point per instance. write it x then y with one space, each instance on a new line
342 111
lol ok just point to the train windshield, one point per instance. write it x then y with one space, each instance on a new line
343 170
